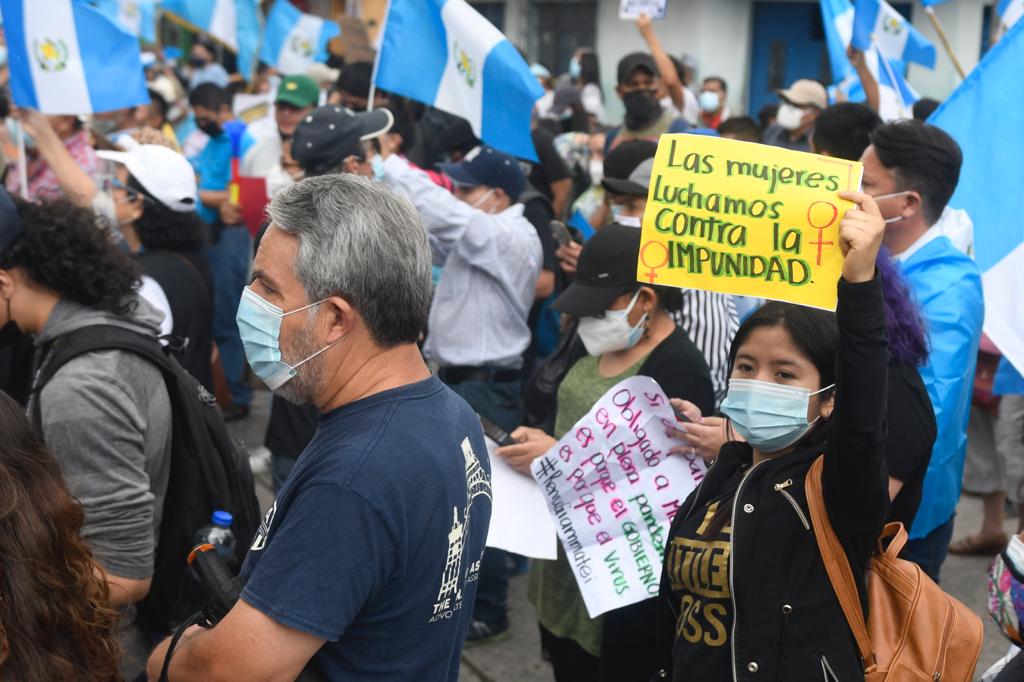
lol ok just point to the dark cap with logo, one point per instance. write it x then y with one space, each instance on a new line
605 271
633 61
622 166
487 167
331 134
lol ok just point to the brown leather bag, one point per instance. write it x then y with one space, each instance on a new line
914 631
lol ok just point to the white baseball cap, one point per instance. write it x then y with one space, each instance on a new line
166 175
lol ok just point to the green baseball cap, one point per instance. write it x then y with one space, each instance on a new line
299 91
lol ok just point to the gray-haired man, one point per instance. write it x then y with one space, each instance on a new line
366 565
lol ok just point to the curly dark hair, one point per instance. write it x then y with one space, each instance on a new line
56 622
161 228
63 249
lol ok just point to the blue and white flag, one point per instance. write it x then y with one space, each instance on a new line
443 53
932 3
985 117
66 57
895 96
235 23
876 21
293 40
138 17
1009 12
837 18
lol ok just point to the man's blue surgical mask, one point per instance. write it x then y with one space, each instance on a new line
259 324
377 164
769 416
709 101
574 68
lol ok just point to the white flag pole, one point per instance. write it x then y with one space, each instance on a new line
22 162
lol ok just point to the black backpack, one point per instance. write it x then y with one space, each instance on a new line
208 470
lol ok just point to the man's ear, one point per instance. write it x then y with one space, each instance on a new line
503 199
354 165
913 204
340 318
6 284
618 91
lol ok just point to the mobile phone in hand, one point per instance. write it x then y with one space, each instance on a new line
560 232
495 432
681 416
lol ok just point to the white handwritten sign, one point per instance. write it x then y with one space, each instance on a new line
613 489
631 9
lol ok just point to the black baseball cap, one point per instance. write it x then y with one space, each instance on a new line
636 60
487 167
330 134
10 223
622 168
606 270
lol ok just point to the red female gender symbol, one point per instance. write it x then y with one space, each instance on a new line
823 227
651 274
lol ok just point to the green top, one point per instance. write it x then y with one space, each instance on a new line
553 591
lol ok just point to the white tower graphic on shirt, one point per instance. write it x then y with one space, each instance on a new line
449 595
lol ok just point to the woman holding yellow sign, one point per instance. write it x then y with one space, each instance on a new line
802 382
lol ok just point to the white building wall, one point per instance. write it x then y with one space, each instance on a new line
962 22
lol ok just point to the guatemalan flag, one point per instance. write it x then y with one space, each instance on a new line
443 53
66 57
875 21
294 40
985 117
1010 11
896 97
236 23
138 17
837 18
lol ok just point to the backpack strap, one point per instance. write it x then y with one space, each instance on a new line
837 565
90 339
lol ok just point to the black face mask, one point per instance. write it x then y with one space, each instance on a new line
211 128
9 333
197 62
641 108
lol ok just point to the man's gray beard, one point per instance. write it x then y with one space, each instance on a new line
301 388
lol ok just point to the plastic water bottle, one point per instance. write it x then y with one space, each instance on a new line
218 533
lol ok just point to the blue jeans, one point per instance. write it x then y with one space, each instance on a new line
229 265
930 551
501 403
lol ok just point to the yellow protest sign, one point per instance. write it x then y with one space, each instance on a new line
742 218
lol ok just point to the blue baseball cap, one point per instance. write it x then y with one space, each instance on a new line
487 167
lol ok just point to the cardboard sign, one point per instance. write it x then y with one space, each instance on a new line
520 522
631 9
612 489
742 218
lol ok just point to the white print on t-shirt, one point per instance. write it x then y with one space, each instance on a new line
453 578
260 540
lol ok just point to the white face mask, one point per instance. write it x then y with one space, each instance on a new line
789 116
628 220
596 171
612 332
883 197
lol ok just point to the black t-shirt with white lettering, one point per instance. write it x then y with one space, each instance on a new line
697 558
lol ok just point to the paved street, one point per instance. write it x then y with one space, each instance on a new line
517 658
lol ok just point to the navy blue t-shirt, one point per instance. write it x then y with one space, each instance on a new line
374 541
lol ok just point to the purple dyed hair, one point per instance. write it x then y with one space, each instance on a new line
904 329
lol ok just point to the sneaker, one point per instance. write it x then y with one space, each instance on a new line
481 632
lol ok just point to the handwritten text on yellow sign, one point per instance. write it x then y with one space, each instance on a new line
741 218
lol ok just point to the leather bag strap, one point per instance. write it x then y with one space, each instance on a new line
837 565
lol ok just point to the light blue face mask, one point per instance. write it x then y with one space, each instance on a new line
377 164
259 325
574 68
769 416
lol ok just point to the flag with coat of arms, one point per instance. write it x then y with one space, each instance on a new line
138 17
877 22
294 40
66 57
443 53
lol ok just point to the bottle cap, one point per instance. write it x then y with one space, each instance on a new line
222 518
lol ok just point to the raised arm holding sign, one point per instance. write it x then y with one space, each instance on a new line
741 218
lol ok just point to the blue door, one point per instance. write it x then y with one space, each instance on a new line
789 43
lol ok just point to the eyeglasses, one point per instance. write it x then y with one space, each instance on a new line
111 184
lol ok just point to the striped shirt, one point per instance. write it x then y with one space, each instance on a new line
491 264
710 320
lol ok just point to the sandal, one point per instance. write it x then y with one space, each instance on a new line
975 545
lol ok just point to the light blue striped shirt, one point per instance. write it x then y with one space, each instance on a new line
491 264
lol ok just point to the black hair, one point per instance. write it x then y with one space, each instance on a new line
669 298
64 250
590 69
209 96
922 158
355 79
161 228
405 113
743 127
719 80
844 130
765 115
158 102
925 107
